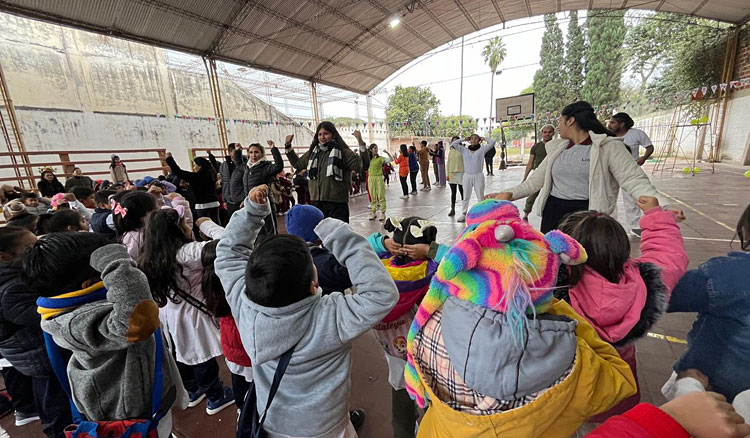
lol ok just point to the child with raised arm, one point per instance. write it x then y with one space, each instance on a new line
272 290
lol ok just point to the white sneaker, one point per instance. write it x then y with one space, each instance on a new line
23 419
404 197
373 216
461 218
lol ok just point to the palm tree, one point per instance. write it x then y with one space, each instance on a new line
494 53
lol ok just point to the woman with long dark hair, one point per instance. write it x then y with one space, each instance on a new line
330 163
171 261
583 170
403 170
260 171
202 182
49 185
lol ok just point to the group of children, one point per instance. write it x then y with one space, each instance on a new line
504 332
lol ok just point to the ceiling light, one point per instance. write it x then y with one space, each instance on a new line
395 21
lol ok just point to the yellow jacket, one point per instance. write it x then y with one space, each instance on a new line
598 381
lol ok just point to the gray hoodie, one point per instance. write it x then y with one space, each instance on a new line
313 396
112 368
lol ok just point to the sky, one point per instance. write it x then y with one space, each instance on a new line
440 69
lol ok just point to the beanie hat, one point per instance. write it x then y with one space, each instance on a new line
301 221
500 263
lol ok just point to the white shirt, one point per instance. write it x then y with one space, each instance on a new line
473 160
634 139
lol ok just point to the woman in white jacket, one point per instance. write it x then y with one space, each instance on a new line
171 260
584 170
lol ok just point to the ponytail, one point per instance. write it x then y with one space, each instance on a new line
585 118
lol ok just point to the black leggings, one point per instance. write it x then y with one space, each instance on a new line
413 177
453 192
202 378
404 185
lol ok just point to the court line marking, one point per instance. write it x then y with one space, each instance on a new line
722 224
706 239
671 339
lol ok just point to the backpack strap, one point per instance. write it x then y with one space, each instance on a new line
280 370
156 392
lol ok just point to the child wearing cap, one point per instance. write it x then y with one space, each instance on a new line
301 221
492 353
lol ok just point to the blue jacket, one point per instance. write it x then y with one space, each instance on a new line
413 162
719 342
332 275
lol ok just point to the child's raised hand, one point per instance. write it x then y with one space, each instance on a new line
646 203
202 220
259 194
707 415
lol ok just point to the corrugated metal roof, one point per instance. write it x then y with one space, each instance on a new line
342 43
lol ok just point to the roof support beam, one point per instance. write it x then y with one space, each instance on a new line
699 7
468 16
388 13
438 22
499 12
239 14
528 9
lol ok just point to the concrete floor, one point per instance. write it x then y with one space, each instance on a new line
712 203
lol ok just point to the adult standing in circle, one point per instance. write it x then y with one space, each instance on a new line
489 157
49 185
473 178
622 125
403 170
423 155
232 171
78 180
375 181
413 168
455 169
438 163
202 182
583 170
536 156
330 163
259 171
118 173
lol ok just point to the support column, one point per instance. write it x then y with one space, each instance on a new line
720 110
213 79
314 95
461 89
370 127
13 137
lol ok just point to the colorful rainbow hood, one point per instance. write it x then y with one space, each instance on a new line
500 262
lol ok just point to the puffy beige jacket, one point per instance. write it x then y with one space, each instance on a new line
612 166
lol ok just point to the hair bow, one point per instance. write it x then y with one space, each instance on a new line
117 208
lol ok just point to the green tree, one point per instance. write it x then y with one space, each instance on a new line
549 80
346 121
448 126
494 54
646 48
604 56
413 106
527 90
575 51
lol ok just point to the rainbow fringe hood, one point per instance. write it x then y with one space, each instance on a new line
500 263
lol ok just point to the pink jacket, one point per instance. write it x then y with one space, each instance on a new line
623 312
614 309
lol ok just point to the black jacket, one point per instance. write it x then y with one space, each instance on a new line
78 181
49 189
201 186
261 173
232 171
21 340
332 275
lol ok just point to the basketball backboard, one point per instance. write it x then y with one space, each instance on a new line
514 107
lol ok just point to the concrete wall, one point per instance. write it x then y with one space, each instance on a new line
82 91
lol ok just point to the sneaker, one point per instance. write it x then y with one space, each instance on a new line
452 212
213 407
428 188
382 216
424 189
413 192
462 218
357 417
372 216
636 231
195 398
24 419
525 218
404 197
